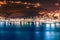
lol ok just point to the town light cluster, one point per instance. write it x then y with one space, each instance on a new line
20 2
47 17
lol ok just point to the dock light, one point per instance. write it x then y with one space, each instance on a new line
22 23
48 25
37 5
18 2
25 3
1 24
37 24
57 4
57 24
52 25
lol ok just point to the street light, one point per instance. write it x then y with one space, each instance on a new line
27 7
57 4
25 3
37 5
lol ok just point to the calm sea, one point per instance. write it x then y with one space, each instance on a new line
29 31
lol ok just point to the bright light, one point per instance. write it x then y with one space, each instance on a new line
18 23
12 1
1 24
56 14
57 24
7 23
26 23
52 25
56 4
37 5
37 24
18 2
47 25
25 3
22 23
22 19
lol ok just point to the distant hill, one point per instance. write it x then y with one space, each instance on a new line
18 10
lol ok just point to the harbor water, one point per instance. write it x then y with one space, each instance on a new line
29 31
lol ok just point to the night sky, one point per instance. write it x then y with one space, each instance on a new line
20 10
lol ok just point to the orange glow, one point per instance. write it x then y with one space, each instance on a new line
41 12
18 2
56 4
2 2
25 2
37 5
27 7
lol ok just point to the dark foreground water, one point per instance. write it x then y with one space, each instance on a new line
29 31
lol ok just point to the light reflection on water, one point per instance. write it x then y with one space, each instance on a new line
29 31
52 35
